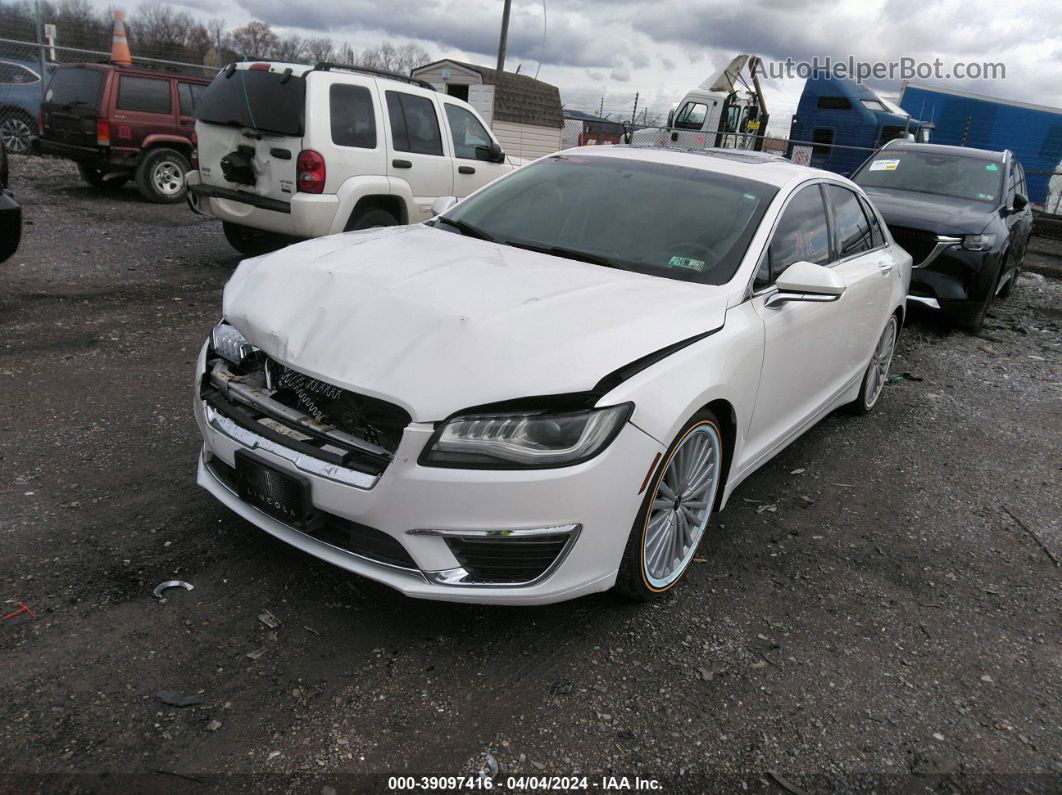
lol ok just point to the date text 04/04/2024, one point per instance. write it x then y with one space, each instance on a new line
525 783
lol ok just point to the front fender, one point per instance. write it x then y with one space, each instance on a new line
725 365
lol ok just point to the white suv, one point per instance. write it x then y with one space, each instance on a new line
289 151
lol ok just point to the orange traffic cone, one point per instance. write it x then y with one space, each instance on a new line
119 46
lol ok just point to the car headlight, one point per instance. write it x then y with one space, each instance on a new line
978 242
524 440
230 344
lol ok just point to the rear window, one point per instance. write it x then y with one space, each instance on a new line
70 86
352 115
264 101
188 96
144 95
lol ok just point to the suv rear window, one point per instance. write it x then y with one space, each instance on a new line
265 101
144 94
75 85
352 115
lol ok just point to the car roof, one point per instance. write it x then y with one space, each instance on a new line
757 166
943 149
137 71
304 70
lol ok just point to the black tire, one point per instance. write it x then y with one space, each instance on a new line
252 242
1008 288
17 130
875 379
160 175
974 321
369 218
633 579
94 177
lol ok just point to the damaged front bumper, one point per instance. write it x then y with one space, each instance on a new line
485 536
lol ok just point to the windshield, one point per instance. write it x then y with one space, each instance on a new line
656 218
263 101
960 177
75 86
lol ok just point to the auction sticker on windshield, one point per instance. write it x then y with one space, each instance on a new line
686 262
885 165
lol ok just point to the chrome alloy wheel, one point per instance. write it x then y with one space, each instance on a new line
16 134
168 177
878 369
681 506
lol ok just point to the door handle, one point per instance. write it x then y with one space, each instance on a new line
401 164
465 170
886 266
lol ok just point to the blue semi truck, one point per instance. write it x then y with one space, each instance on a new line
843 121
1032 132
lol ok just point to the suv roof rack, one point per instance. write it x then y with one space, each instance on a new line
326 66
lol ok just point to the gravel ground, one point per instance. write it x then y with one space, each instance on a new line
878 607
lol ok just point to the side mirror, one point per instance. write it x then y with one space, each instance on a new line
442 204
806 282
1021 201
492 153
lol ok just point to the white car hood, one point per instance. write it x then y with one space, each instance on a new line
438 322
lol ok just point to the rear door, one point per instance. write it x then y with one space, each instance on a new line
249 127
416 153
71 104
142 106
469 140
187 94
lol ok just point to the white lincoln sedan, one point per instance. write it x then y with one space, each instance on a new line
549 388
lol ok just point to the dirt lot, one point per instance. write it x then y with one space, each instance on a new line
877 608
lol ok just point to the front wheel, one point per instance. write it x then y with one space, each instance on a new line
877 371
675 511
160 175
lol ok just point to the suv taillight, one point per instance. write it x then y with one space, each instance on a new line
40 123
195 151
310 172
103 132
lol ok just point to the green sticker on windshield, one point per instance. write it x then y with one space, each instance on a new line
991 167
687 263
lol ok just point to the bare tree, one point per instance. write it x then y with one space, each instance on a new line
160 28
218 36
291 49
320 50
389 58
255 40
409 56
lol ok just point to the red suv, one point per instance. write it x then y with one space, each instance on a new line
120 123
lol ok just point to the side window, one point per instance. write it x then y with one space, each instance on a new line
691 117
877 237
352 116
466 131
1011 184
822 140
802 232
1021 180
414 124
185 99
13 73
851 229
143 94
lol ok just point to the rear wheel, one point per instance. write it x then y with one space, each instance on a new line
675 511
17 129
877 371
369 218
252 242
160 175
94 177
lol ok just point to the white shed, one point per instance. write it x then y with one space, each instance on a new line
524 113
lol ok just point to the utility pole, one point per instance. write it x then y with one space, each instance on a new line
601 107
635 114
40 46
504 35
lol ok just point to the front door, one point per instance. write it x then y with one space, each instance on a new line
469 138
416 155
800 367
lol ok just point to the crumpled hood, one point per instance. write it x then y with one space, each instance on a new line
438 322
942 215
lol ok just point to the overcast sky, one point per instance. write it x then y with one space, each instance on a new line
661 48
